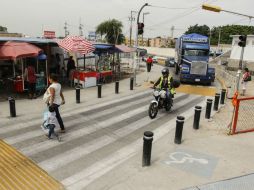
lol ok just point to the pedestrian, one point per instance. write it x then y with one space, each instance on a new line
56 98
70 66
30 80
50 123
149 63
246 77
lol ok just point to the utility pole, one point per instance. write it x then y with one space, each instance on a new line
136 43
144 24
172 31
66 32
218 46
131 19
80 28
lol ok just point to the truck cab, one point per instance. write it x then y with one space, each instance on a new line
192 59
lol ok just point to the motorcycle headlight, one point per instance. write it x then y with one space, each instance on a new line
163 94
156 93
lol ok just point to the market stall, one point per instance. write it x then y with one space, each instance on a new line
19 54
77 44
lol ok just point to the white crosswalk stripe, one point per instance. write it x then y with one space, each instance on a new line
108 123
74 154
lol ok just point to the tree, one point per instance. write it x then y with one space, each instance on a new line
224 32
203 30
111 30
3 29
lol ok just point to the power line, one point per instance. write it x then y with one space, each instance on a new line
184 14
171 8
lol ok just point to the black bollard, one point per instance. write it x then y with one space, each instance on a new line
99 90
117 87
216 102
179 129
197 117
209 103
12 107
223 95
131 83
147 148
78 95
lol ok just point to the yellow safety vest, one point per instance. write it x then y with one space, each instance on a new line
169 77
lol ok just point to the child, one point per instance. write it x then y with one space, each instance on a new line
50 122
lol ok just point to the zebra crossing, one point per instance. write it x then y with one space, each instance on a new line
99 138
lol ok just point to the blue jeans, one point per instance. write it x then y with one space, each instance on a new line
51 128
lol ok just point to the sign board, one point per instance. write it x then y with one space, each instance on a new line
49 34
92 35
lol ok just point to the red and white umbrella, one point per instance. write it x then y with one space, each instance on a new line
76 44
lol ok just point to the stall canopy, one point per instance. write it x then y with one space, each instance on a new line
124 49
13 50
76 44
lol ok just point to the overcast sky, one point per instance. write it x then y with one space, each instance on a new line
31 17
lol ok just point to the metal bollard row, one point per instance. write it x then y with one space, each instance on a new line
197 117
223 95
78 95
216 102
117 87
209 103
131 83
179 129
147 148
12 107
99 90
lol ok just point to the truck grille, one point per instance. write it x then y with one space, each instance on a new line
198 68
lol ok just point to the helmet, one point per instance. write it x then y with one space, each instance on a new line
165 72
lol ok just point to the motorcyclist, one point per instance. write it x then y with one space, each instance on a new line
165 81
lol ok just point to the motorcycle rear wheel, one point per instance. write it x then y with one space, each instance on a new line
153 110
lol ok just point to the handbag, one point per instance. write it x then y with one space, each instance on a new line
46 97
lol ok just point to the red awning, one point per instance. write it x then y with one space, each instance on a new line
12 50
76 44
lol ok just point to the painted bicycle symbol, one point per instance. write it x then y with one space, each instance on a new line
182 157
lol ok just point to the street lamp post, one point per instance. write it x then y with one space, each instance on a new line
146 13
131 19
219 9
136 43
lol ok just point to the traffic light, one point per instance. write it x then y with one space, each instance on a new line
140 28
242 42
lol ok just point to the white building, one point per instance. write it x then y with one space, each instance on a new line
248 56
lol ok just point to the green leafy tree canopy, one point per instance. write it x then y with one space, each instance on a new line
3 29
111 30
221 34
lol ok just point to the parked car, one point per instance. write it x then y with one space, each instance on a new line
155 59
170 62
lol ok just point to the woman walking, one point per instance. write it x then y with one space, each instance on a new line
56 98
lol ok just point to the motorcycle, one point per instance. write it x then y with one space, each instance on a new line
162 99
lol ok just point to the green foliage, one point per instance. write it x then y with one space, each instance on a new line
224 31
112 30
3 29
203 30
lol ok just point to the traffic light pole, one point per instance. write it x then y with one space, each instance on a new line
136 44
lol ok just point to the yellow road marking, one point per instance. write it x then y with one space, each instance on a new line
18 172
200 90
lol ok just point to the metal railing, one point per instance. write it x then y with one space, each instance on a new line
243 114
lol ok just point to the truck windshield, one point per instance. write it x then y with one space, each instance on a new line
191 52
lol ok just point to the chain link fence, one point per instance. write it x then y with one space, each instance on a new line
244 111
